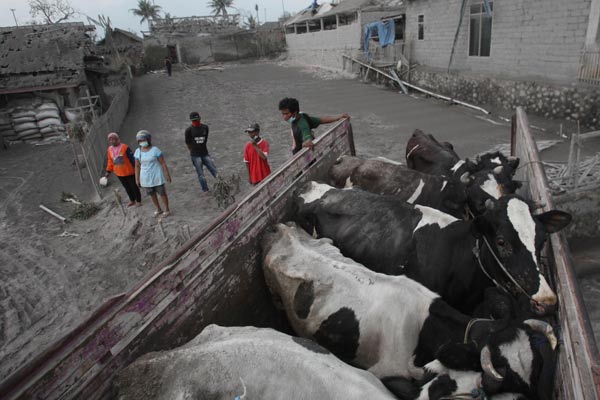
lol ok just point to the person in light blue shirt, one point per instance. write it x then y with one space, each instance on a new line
151 171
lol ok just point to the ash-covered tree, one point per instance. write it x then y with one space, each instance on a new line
51 11
147 11
220 6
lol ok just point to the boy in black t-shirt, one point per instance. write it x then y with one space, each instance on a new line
196 137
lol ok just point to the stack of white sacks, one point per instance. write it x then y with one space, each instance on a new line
6 130
32 124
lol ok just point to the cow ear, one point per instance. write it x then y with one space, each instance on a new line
459 356
554 220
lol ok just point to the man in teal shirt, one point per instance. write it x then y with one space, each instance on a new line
302 124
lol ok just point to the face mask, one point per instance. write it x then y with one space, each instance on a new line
144 144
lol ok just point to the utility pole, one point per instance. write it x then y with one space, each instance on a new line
13 12
265 14
257 19
282 7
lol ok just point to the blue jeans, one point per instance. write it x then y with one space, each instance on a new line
198 162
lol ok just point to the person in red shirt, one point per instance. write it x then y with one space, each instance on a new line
255 155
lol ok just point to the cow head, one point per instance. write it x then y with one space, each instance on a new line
516 358
342 169
489 177
424 153
444 383
489 185
511 240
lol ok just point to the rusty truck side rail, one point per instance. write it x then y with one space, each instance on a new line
578 373
214 278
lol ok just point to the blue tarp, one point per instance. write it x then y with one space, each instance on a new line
385 30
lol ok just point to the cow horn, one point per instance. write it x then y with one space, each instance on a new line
477 159
465 178
544 328
487 366
498 170
489 204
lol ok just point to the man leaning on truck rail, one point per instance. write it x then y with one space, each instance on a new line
302 123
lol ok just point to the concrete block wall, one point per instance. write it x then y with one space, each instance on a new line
324 48
531 39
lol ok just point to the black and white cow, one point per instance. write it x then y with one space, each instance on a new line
247 362
455 258
424 153
490 173
393 326
380 177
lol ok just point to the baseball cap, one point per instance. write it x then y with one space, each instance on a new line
253 127
194 116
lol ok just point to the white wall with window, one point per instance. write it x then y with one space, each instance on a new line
542 40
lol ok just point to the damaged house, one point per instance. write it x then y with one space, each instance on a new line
544 56
128 45
44 71
215 38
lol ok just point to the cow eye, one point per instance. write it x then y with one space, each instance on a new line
500 241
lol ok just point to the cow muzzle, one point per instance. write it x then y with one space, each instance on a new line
543 309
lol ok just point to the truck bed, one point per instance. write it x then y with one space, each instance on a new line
216 277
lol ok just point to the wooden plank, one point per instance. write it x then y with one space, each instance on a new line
578 374
589 135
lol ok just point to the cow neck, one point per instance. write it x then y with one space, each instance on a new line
478 330
444 324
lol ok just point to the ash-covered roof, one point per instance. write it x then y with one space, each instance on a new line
42 57
130 35
344 7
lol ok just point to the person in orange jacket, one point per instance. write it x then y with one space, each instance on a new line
121 162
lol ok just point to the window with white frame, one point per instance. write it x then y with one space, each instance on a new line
480 28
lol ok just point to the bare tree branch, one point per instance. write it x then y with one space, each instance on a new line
51 11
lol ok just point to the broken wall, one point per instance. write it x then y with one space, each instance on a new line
325 48
208 48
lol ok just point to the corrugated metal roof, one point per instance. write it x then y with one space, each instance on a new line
43 55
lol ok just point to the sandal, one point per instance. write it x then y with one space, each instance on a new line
131 203
157 213
165 214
